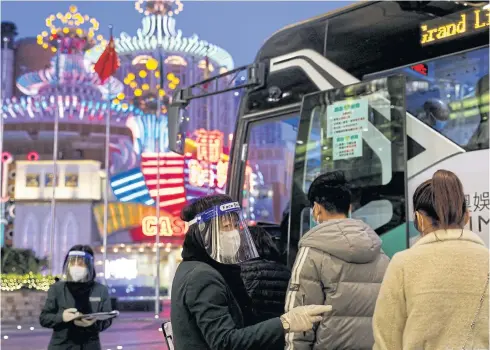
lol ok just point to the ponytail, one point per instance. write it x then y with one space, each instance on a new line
441 199
448 198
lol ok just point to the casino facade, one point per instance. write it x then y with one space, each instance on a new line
62 84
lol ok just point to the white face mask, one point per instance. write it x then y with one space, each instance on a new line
78 273
230 243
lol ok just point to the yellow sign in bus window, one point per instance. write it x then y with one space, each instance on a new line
454 26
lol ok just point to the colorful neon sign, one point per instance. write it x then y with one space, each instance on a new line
454 26
167 226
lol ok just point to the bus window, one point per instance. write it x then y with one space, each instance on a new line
449 94
360 130
270 159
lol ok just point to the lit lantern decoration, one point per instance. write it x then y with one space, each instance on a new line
75 32
33 156
145 85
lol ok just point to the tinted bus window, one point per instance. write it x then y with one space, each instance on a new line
451 95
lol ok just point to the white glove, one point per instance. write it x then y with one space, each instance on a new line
70 314
84 322
302 318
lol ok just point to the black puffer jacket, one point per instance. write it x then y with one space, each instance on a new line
209 310
266 283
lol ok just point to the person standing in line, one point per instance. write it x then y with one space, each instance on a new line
207 291
339 263
266 279
78 295
435 294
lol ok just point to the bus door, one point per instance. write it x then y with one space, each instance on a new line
360 130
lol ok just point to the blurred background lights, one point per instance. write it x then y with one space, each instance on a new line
71 26
159 7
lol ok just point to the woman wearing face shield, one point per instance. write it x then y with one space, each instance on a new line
77 295
210 306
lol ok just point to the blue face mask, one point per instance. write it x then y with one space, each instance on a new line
440 125
313 223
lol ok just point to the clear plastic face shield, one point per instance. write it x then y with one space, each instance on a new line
225 234
79 267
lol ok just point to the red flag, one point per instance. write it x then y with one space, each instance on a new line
108 62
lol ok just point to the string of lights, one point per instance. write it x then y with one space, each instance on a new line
13 282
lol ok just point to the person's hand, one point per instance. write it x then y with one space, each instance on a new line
84 322
70 314
302 318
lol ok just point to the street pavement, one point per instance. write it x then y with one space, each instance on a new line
130 331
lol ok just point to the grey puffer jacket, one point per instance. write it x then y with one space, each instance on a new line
339 263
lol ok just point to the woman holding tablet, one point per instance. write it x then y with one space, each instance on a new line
72 298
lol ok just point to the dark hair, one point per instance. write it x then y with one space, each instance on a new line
190 211
266 247
442 199
331 191
81 248
202 204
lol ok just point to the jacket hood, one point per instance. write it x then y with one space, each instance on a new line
350 240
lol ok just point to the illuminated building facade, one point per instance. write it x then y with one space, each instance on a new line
69 90
63 85
184 60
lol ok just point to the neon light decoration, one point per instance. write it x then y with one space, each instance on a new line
81 97
121 216
144 86
123 156
33 156
170 8
7 160
181 178
146 130
74 76
77 34
207 166
130 216
172 190
130 187
71 109
158 31
151 225
7 157
176 61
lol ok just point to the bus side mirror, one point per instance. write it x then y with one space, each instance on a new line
176 123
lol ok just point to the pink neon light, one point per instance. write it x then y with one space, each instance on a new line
6 157
33 156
